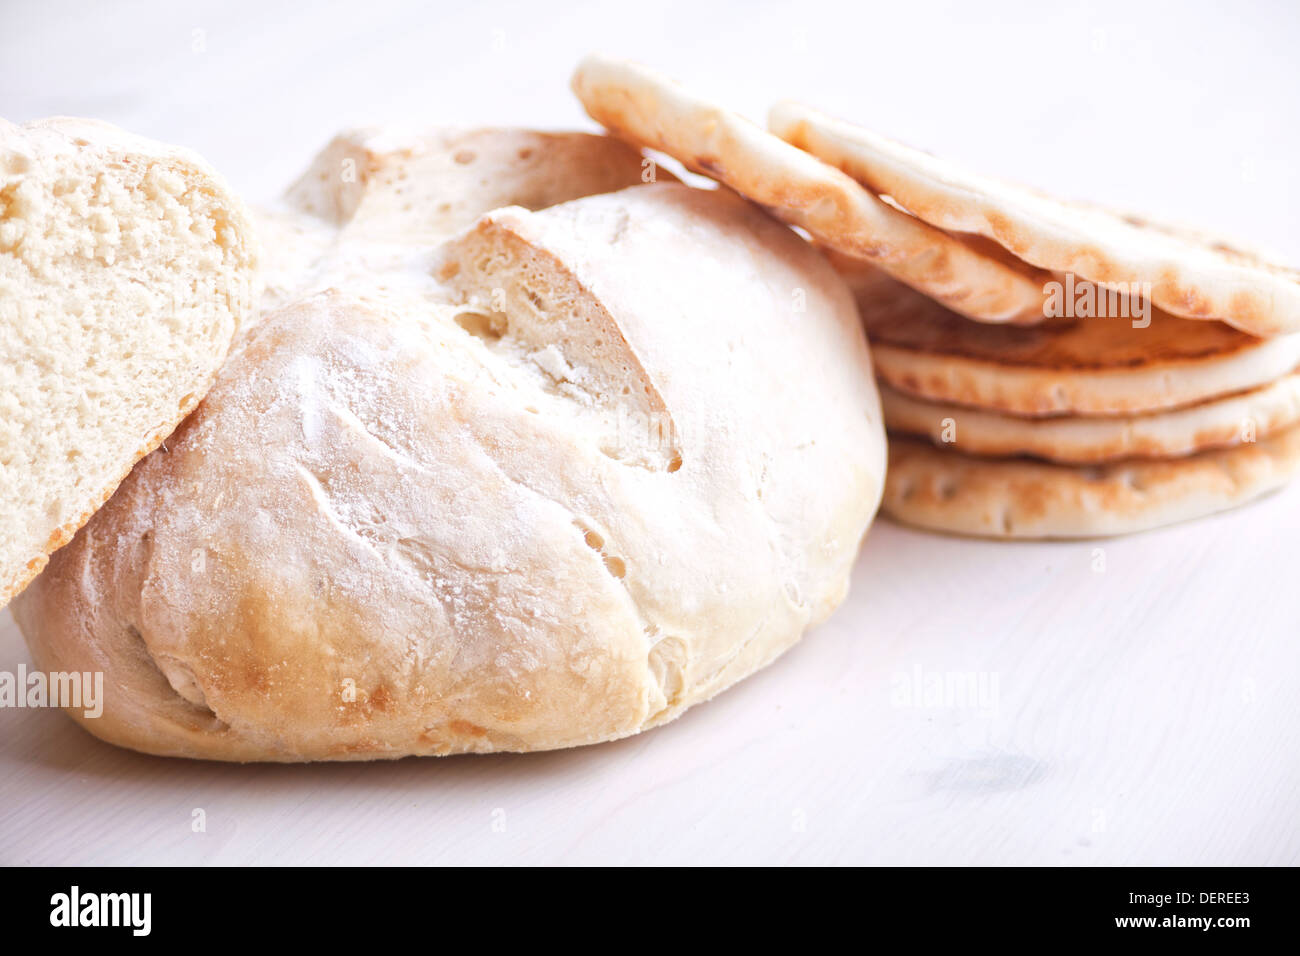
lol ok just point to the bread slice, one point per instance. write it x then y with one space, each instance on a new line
1191 275
126 267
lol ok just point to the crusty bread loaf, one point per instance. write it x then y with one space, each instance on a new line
125 269
621 460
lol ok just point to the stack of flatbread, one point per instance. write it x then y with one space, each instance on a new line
1048 369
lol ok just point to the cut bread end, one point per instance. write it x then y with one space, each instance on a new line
126 267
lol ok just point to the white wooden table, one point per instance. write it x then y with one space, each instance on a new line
972 702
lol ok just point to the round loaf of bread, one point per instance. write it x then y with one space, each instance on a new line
618 455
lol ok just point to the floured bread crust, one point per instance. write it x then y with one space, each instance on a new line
374 198
455 521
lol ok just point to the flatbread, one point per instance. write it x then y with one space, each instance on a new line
1018 498
1217 423
1095 366
1191 275
650 110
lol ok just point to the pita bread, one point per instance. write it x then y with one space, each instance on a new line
1096 366
1217 423
647 108
1018 498
1191 275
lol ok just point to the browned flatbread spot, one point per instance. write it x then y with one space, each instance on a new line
1017 498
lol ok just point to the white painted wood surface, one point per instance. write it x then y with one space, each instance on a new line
1144 713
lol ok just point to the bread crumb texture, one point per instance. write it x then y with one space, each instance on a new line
125 270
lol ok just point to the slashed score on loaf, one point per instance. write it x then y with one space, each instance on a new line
378 201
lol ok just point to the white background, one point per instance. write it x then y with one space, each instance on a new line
1144 713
